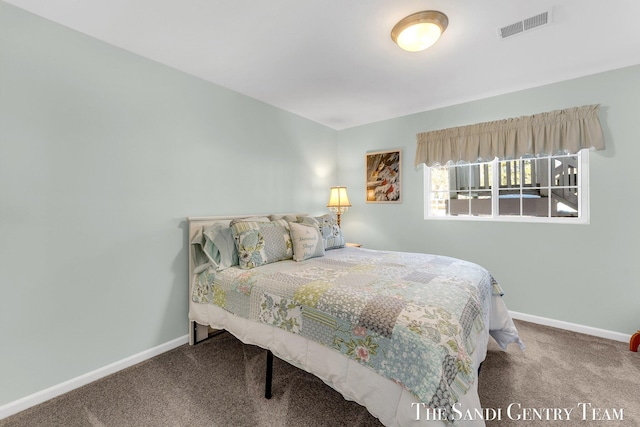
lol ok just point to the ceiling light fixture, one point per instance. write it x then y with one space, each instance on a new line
420 30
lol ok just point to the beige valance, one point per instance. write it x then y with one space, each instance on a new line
555 132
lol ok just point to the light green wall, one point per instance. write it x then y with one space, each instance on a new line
584 274
102 156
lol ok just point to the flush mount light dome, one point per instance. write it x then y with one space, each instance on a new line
420 30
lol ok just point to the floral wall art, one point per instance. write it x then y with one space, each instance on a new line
383 177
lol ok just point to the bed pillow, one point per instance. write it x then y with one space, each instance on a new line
307 241
250 219
288 218
219 245
328 226
200 259
260 243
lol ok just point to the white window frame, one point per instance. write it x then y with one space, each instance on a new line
583 199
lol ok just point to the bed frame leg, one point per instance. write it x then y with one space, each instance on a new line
200 333
197 333
267 388
635 342
192 332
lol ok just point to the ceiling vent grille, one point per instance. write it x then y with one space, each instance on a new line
528 24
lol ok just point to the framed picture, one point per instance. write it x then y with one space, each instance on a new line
383 179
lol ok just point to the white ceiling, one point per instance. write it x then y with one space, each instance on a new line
333 61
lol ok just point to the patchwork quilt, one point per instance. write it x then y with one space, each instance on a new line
412 318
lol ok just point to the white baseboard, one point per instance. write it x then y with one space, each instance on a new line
574 327
59 389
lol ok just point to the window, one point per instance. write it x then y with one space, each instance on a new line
534 189
534 186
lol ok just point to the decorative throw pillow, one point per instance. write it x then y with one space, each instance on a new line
201 261
288 218
220 246
250 219
328 226
260 243
307 241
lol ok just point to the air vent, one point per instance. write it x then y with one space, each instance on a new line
528 24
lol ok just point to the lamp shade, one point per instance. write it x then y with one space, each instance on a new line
420 30
338 198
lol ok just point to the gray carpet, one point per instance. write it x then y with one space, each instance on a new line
561 369
221 383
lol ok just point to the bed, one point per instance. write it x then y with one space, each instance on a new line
402 334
